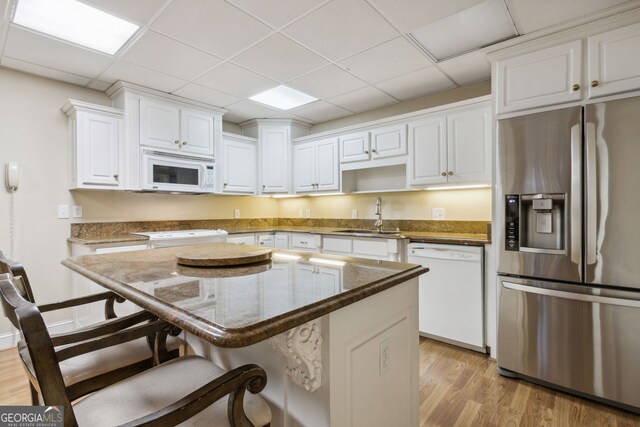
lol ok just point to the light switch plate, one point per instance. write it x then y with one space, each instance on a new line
236 213
308 213
354 213
437 213
300 213
76 211
63 211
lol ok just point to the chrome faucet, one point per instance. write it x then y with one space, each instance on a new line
378 224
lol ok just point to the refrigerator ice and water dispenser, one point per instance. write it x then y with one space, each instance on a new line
535 223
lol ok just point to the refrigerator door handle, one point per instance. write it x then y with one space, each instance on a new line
571 295
592 205
576 194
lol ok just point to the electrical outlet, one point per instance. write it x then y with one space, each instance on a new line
308 213
63 211
76 211
354 213
437 213
385 356
236 213
300 213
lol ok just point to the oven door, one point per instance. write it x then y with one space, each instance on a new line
162 172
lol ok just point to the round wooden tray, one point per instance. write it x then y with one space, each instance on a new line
222 255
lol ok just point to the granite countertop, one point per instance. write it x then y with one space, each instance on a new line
472 239
240 306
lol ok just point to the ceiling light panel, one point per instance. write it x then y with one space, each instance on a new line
283 98
482 25
75 22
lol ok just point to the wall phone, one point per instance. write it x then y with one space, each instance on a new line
12 175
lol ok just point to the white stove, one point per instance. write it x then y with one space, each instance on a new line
163 239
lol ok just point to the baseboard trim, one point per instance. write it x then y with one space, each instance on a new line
10 339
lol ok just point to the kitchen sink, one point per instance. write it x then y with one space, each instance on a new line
364 231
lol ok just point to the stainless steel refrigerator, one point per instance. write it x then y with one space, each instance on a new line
568 230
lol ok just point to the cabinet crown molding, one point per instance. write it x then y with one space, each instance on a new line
72 106
286 122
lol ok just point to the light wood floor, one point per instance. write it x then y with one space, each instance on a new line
457 388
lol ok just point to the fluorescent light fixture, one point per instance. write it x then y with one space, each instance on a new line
481 25
327 261
459 187
76 22
279 255
326 194
283 98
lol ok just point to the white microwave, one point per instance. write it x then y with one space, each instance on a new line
163 171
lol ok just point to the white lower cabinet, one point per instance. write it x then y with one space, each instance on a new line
320 282
306 242
92 313
281 240
267 240
242 238
239 164
365 247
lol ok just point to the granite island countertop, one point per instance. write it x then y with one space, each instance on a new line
240 306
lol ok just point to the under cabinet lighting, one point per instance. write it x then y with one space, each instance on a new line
326 194
286 196
75 22
482 25
283 98
458 187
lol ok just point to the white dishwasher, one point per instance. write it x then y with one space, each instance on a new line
451 295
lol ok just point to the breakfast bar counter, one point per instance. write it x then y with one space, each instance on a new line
341 331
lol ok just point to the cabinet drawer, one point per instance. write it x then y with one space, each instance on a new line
371 247
336 244
305 241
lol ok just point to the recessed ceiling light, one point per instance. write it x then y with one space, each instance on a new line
481 25
76 22
283 98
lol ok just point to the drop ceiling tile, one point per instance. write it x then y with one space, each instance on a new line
251 110
321 111
279 58
391 59
230 78
327 82
48 52
341 28
236 118
160 53
214 26
469 68
277 12
38 70
411 14
417 83
141 76
100 85
532 16
206 95
364 99
139 11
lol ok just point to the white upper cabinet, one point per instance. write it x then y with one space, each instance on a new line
354 147
239 164
274 159
170 127
545 77
96 146
469 146
614 61
315 166
428 151
451 148
388 141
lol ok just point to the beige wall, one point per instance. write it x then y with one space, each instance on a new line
472 205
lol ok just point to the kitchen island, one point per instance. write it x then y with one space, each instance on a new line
337 336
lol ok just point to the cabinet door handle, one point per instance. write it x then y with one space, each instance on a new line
374 151
264 186
450 173
595 83
116 176
176 142
366 151
575 87
225 184
443 174
184 142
